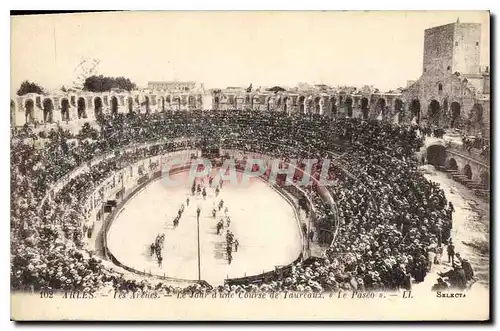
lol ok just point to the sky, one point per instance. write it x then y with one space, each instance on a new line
221 49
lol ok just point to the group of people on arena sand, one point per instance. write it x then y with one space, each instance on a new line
177 217
157 248
461 276
199 187
390 217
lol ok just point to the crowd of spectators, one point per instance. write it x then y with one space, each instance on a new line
477 143
389 216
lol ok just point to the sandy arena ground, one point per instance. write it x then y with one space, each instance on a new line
262 221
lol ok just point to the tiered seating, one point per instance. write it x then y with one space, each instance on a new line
389 212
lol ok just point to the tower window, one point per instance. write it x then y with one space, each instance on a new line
448 68
456 43
440 87
477 43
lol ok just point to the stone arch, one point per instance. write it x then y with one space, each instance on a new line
29 107
114 105
98 105
399 109
162 103
317 105
468 171
364 107
348 105
130 104
436 155
285 103
81 106
434 112
146 103
302 108
398 105
279 102
48 110
455 114
380 107
333 106
177 102
239 102
415 110
452 164
65 109
484 178
12 112
270 103
191 102
309 105
231 101
216 102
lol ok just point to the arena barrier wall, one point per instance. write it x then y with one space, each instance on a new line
264 277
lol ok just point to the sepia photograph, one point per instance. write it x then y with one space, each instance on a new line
250 165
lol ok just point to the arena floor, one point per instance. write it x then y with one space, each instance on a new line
262 221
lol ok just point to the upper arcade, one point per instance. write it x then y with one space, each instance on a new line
71 106
453 91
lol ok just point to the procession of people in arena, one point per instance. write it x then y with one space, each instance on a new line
199 187
393 225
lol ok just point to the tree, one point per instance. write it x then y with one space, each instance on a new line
276 89
29 87
103 84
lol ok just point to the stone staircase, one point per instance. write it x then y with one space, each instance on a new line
480 190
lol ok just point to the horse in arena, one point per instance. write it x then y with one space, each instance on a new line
220 226
229 252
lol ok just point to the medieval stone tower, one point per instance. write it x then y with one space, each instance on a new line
452 48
